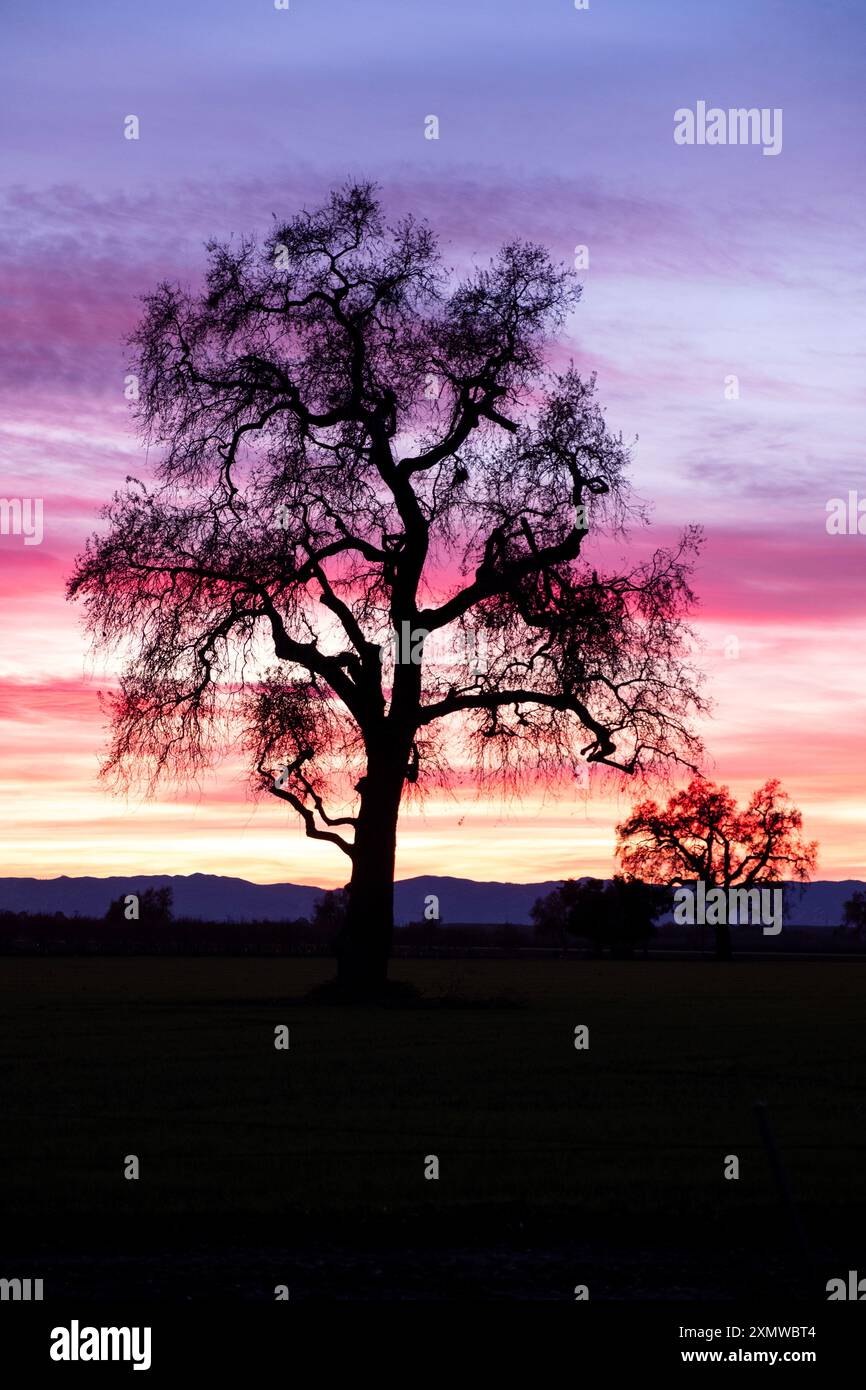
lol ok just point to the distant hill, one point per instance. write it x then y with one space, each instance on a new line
211 897
215 898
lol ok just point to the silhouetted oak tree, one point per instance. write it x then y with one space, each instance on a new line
353 442
702 834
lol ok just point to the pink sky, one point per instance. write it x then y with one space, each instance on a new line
703 263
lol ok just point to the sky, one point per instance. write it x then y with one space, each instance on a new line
706 262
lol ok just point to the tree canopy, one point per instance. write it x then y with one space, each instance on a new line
353 442
701 834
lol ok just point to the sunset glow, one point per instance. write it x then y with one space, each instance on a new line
703 264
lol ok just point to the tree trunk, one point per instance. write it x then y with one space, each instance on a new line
364 946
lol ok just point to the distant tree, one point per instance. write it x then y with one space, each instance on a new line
425 924
154 908
553 914
365 549
329 914
632 908
616 916
701 834
854 914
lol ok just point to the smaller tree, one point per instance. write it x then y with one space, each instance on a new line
854 915
554 914
617 916
154 908
701 834
329 913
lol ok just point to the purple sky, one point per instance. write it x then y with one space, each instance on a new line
557 125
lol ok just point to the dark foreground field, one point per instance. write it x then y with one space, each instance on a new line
558 1167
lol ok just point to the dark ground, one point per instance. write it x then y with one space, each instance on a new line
306 1168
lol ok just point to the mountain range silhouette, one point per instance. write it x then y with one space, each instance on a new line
217 898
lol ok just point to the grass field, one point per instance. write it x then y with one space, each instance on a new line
623 1145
